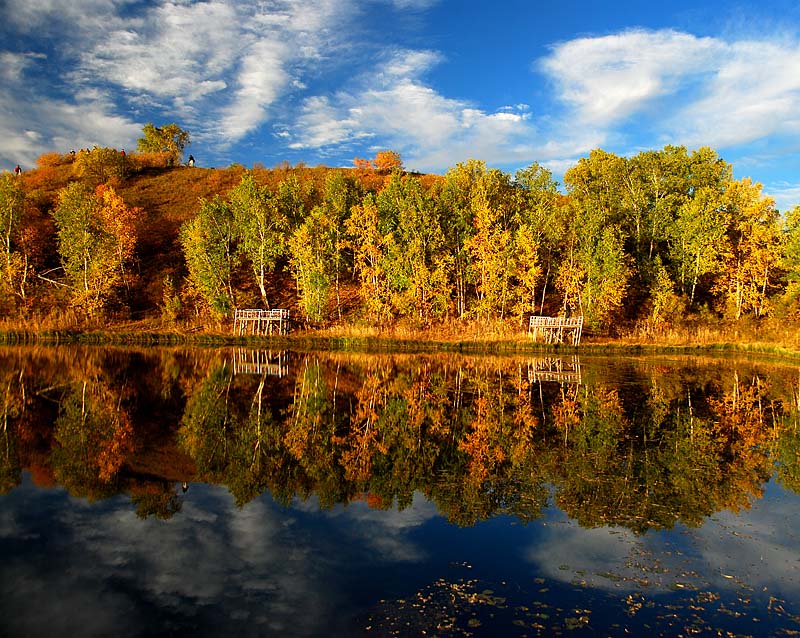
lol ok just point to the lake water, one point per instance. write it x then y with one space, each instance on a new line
254 493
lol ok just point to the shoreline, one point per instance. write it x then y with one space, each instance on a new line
334 340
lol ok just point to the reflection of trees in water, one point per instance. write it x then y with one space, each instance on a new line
13 400
93 435
478 436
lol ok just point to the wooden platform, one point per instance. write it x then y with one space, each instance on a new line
556 329
260 322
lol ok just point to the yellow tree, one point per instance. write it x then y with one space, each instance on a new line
100 165
491 245
369 247
12 201
169 138
527 270
120 222
755 238
96 238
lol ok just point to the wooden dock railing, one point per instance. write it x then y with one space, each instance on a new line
260 322
556 329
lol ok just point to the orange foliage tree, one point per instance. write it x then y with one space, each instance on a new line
387 161
96 238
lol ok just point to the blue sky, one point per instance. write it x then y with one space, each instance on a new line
440 81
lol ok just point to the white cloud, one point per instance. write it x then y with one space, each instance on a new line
678 88
606 79
397 107
30 127
786 195
179 51
387 533
260 81
414 4
753 93
216 67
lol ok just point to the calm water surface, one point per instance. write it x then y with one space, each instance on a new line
253 493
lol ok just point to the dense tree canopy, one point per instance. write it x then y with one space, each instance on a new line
634 241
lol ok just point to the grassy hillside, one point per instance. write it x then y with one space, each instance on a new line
167 196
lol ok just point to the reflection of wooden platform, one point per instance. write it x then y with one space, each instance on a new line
555 369
260 322
265 362
556 329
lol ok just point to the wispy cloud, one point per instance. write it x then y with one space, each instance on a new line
607 79
680 88
217 67
397 109
322 79
786 195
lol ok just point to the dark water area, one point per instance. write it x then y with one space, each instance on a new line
253 493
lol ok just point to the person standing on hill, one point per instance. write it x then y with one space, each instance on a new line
17 171
191 160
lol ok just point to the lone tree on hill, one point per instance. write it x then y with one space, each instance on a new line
387 161
170 138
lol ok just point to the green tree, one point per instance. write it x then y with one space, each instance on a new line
313 256
208 242
318 246
260 227
94 434
96 239
699 244
539 234
169 138
790 259
291 196
594 274
207 422
415 259
100 166
656 184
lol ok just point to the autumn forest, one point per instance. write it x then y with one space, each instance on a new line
101 237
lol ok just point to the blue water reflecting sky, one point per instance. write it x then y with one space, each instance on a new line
70 567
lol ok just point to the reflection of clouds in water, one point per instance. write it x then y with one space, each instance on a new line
755 549
244 564
8 525
384 532
758 548
62 604
601 555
